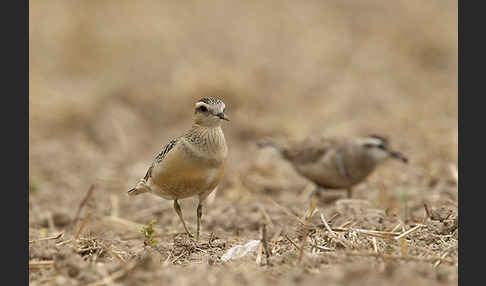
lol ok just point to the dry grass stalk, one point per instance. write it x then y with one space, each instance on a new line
178 257
117 256
264 241
396 228
61 234
292 242
266 217
40 264
377 233
323 248
396 257
409 231
167 260
301 248
64 242
333 234
87 249
113 253
403 247
326 225
82 204
442 257
345 224
375 246
258 259
312 210
83 224
309 189
286 211
381 234
333 217
448 215
427 210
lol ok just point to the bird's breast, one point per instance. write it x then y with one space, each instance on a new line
182 175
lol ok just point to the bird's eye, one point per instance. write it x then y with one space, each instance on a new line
381 146
203 108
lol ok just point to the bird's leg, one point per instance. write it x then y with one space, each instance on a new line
350 192
199 215
178 210
318 191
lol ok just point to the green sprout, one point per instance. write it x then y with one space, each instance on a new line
43 232
148 233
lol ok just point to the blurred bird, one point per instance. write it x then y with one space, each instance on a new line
336 162
192 164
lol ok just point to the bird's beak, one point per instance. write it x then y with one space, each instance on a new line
399 156
222 116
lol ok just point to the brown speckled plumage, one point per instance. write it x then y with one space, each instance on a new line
192 164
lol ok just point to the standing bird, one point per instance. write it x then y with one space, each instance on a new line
337 162
192 164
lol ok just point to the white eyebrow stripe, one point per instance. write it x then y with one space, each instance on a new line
200 103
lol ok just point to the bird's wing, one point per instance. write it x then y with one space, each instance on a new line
339 159
308 151
160 157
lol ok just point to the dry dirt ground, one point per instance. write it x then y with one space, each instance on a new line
112 81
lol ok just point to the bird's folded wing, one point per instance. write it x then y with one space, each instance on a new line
308 151
339 159
160 157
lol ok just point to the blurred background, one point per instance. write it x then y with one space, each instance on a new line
112 81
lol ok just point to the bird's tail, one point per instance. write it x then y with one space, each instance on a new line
139 189
283 149
268 143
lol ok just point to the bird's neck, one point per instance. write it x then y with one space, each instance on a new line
205 132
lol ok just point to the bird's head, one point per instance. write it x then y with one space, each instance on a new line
378 149
209 112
